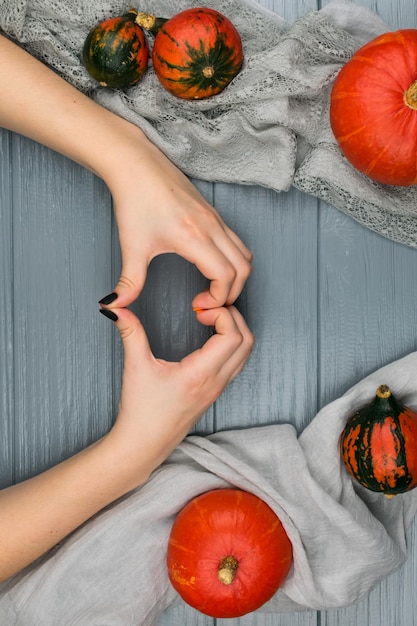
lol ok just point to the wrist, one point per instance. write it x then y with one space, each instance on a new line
124 463
124 152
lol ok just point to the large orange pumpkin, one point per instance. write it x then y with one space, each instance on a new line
228 553
373 108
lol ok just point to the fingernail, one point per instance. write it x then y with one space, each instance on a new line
108 299
109 314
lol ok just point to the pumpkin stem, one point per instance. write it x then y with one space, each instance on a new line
150 22
410 96
227 570
383 391
208 72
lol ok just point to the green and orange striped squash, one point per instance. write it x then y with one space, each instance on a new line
116 51
379 445
196 53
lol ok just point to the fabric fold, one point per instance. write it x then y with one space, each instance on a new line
345 538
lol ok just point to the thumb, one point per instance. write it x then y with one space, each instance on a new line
128 288
135 341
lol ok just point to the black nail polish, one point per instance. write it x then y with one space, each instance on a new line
109 314
108 299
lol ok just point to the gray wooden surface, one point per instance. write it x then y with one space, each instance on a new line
328 301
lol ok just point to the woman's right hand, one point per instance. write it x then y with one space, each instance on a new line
160 400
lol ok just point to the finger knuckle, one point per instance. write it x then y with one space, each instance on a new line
236 338
127 282
246 268
190 231
126 332
250 341
229 273
197 381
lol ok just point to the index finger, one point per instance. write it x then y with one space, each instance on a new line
226 266
228 349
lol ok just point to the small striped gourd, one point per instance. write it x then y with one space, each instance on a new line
379 445
116 52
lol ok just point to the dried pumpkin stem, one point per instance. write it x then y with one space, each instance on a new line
150 22
146 20
383 391
227 570
410 96
208 72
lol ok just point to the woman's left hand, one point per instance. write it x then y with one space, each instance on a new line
158 210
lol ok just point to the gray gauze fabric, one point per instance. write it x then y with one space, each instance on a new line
345 539
269 127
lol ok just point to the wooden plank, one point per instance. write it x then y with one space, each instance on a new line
184 615
165 310
367 312
368 319
272 619
6 315
279 303
63 359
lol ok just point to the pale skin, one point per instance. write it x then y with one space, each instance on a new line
160 401
157 209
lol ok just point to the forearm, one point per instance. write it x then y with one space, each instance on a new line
36 514
160 402
37 103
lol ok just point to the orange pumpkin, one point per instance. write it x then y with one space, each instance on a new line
373 108
228 553
196 53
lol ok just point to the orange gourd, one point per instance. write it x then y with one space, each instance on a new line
379 445
228 553
373 108
196 53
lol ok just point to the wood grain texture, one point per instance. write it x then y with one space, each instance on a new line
367 319
63 359
7 460
328 302
270 619
267 390
279 304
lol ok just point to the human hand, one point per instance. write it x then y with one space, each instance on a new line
158 210
160 400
